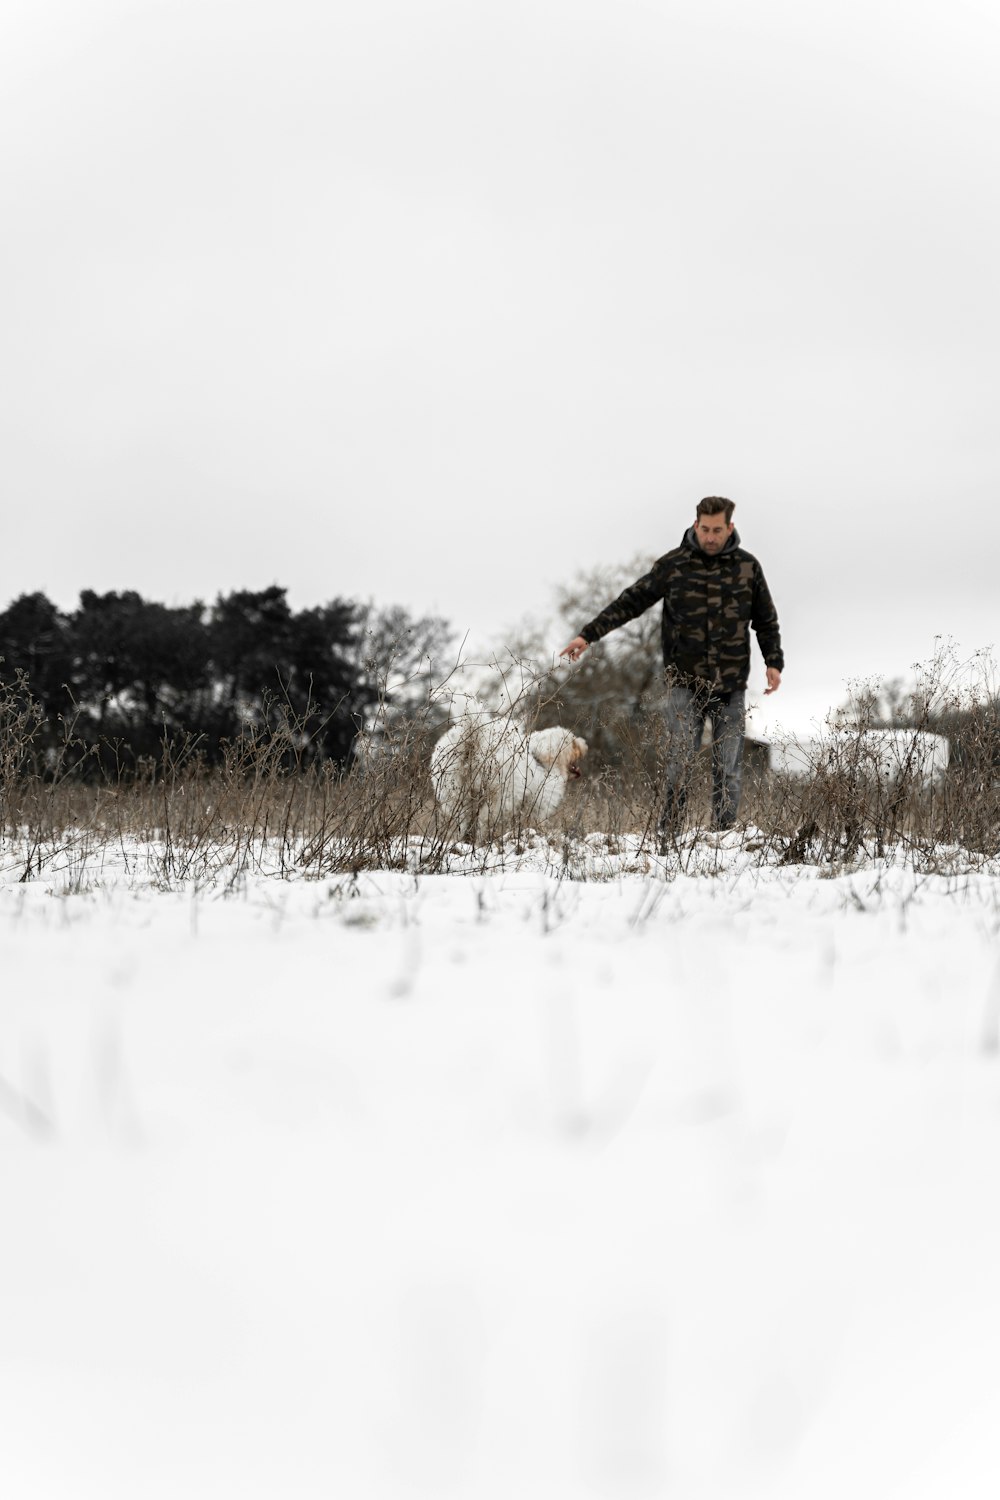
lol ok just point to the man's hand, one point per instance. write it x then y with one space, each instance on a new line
773 681
575 649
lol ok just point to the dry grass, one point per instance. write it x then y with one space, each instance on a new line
265 806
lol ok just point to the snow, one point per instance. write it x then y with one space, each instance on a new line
672 1181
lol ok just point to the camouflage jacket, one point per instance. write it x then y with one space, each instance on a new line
709 606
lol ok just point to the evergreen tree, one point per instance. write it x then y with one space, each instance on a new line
132 675
273 666
35 639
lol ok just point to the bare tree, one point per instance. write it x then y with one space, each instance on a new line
606 697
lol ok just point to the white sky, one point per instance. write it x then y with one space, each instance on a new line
439 303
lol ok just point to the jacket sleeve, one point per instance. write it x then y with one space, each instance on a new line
631 602
764 620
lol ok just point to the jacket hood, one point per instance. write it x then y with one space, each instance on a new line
690 541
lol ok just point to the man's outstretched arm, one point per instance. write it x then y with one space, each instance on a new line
630 603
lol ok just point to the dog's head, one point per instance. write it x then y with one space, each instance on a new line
558 749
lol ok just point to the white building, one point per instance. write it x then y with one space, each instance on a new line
886 754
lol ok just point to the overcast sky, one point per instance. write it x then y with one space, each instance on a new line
439 303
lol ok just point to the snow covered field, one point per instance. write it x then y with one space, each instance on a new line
500 1185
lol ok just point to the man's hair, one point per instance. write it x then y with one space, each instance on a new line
716 505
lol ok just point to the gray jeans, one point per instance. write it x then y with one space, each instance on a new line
685 712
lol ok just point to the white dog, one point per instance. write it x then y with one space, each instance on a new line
488 771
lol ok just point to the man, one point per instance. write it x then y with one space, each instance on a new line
713 592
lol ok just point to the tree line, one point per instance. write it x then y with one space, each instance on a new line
121 679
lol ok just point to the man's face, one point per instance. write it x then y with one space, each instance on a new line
712 532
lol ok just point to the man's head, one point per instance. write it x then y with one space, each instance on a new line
713 522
